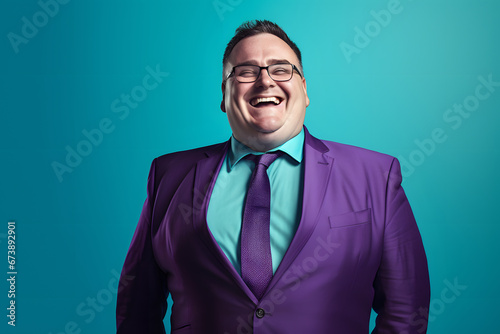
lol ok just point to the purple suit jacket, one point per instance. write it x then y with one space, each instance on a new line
357 247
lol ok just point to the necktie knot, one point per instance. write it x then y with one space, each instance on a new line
265 159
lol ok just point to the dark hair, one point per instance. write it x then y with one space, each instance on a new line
255 27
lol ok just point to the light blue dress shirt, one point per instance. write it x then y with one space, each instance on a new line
225 209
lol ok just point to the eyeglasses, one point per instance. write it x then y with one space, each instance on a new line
250 73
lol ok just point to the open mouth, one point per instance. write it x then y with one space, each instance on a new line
259 102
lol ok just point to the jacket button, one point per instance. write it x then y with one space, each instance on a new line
260 313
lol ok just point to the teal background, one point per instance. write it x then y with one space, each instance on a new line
74 234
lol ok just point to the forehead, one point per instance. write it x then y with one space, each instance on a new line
261 49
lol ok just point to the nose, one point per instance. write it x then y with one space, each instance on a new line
264 80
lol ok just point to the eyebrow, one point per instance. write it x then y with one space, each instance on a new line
270 62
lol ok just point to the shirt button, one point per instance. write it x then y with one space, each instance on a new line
260 313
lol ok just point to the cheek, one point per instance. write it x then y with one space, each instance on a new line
295 97
302 96
293 91
236 102
237 92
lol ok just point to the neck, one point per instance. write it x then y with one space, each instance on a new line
263 143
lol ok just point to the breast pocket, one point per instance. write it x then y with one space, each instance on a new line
351 219
352 232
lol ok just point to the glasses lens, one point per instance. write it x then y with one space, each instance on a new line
250 73
281 72
246 73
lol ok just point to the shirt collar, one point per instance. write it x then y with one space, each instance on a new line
293 147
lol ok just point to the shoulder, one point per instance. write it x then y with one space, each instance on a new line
170 169
362 168
355 153
182 161
347 153
356 162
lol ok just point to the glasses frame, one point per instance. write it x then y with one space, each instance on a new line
260 71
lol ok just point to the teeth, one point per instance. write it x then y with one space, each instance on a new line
256 101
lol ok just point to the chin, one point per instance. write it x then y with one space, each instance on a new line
271 136
269 125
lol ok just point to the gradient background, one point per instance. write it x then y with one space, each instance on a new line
73 234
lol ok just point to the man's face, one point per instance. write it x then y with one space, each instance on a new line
263 126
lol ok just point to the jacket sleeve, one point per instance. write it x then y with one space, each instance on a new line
402 289
142 291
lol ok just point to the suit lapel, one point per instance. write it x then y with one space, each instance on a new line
205 175
317 171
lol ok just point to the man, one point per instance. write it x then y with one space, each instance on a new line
306 238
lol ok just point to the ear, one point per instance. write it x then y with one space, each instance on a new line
223 104
304 85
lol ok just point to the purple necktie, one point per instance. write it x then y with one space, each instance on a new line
256 262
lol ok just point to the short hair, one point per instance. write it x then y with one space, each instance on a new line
255 27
